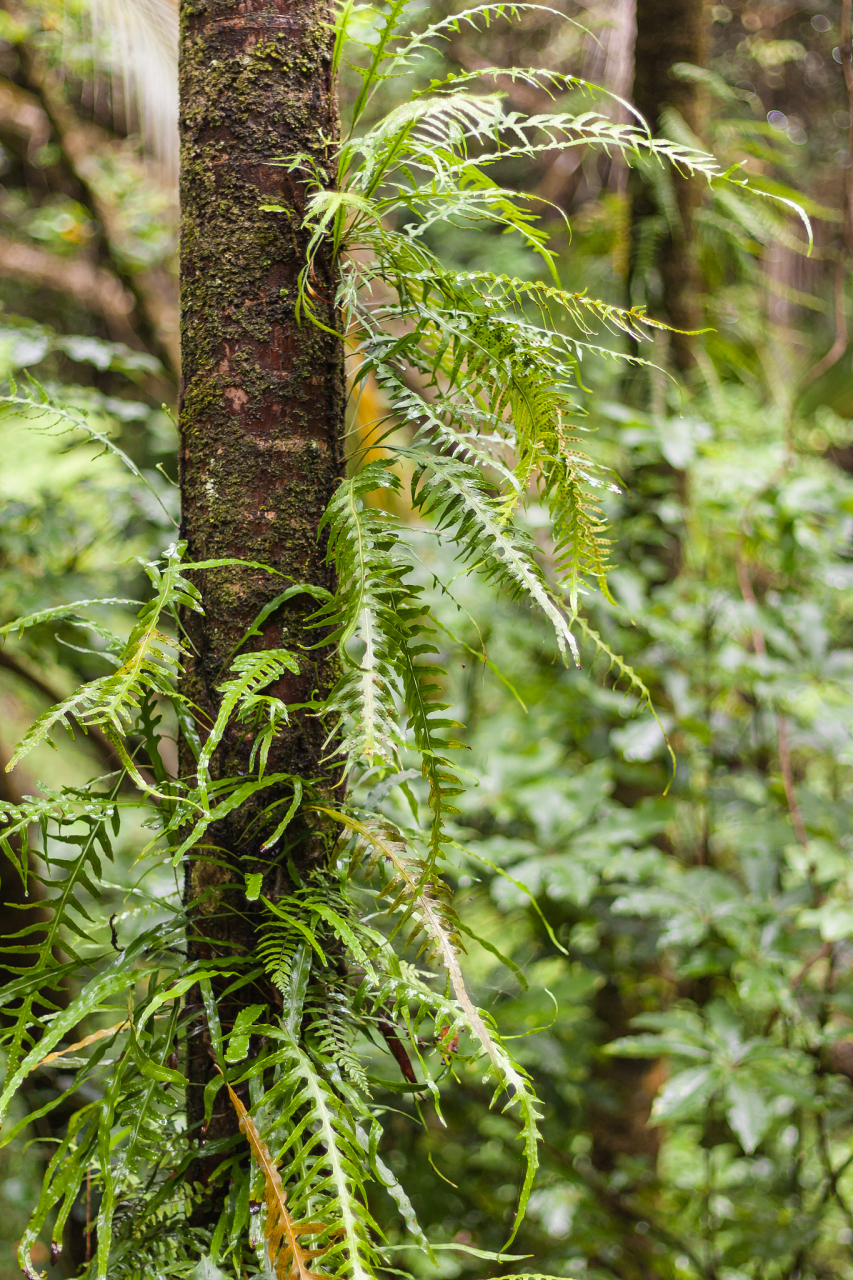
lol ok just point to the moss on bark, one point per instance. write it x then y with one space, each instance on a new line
261 417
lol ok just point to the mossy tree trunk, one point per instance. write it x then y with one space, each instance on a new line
670 32
261 418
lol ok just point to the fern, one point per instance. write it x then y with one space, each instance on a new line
285 1254
375 607
36 405
480 376
374 604
242 700
148 664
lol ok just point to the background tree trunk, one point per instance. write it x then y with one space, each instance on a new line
669 32
261 417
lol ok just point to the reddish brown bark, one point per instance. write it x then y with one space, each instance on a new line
262 401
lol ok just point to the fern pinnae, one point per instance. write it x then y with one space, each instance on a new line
372 743
281 1232
40 730
500 548
391 21
144 656
487 12
373 605
433 920
415 886
46 962
335 1172
634 682
38 403
63 613
251 672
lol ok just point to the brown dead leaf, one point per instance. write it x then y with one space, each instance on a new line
287 1256
81 1044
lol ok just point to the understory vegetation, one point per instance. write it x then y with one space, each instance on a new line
568 992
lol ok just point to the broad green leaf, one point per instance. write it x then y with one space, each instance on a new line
748 1113
686 1094
207 1270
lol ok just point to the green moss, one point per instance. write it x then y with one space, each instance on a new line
262 402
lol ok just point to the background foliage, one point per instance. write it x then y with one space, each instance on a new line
680 983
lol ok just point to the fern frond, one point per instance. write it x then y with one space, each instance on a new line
35 404
148 663
455 497
240 697
480 375
378 606
62 613
374 607
633 682
289 1259
313 1129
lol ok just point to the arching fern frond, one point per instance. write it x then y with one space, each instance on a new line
148 663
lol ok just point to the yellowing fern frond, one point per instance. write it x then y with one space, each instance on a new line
287 1257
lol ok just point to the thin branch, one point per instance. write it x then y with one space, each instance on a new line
616 1205
22 119
812 960
93 287
832 1174
783 744
788 781
398 1049
79 144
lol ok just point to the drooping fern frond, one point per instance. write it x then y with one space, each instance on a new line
336 1175
415 892
35 405
377 607
454 496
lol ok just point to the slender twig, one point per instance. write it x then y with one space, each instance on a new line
707 1229
398 1049
839 1173
88 1214
788 781
93 287
616 1205
783 744
73 139
832 1174
818 955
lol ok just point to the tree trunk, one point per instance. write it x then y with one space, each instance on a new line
669 32
623 1089
261 416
